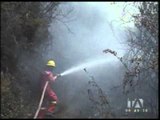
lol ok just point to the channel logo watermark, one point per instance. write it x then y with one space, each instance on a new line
135 105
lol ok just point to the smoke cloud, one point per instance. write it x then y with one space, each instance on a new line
88 31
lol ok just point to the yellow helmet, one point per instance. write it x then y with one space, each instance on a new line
51 63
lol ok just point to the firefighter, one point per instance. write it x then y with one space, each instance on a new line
50 95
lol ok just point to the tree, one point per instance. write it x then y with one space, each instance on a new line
141 61
143 54
24 27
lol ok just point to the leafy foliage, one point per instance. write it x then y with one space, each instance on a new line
22 25
24 28
141 61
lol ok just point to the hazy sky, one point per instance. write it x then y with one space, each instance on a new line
95 26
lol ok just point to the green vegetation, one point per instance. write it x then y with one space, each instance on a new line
22 25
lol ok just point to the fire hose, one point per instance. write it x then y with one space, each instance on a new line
41 100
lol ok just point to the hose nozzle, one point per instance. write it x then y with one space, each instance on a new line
59 75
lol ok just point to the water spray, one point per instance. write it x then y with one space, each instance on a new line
89 64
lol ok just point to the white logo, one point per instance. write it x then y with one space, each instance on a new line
136 105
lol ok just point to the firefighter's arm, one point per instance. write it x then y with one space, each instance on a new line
57 76
53 78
